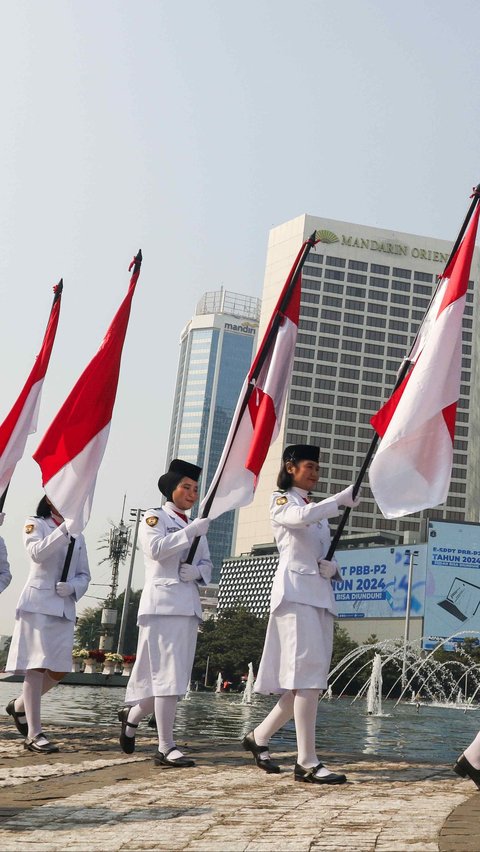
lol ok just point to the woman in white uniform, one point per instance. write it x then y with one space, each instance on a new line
42 640
169 612
298 643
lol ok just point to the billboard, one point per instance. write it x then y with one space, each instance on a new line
375 580
452 602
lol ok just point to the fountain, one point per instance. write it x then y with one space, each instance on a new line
374 695
248 691
218 687
329 693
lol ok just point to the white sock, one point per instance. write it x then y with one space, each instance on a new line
165 709
276 719
32 697
48 683
472 753
305 713
137 713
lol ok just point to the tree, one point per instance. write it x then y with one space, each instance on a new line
230 643
89 625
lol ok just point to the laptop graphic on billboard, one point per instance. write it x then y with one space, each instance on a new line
463 599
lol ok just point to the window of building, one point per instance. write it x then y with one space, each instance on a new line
349 373
369 404
345 430
323 384
376 321
420 288
329 287
398 325
302 367
312 270
335 261
326 370
418 315
355 305
352 346
399 272
310 298
355 278
358 264
377 309
347 387
349 359
326 313
400 299
398 312
301 381
335 274
381 295
298 424
398 338
379 282
349 416
308 312
332 301
309 339
301 352
423 276
307 325
369 376
374 348
329 328
325 398
313 257
308 284
349 331
355 318
371 390
355 291
380 270
373 362
301 396
348 401
341 444
327 356
302 410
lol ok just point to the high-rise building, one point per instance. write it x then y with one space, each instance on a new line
365 291
216 350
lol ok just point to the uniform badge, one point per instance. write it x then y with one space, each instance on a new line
29 528
280 501
152 521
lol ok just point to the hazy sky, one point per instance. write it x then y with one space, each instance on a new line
189 130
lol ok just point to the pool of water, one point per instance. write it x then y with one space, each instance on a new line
429 733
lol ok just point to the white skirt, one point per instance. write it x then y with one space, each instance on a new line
40 642
298 649
165 654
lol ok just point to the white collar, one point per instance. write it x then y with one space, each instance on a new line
173 510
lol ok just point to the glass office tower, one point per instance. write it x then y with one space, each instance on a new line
216 350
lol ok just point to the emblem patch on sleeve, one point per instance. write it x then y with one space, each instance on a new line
152 521
280 501
29 528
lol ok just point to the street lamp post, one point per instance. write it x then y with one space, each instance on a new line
412 554
126 600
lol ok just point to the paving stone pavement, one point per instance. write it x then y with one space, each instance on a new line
91 797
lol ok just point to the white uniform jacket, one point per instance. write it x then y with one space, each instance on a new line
165 540
5 575
302 534
47 547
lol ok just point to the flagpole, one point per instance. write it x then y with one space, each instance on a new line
258 364
401 375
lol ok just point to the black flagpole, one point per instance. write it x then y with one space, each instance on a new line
401 375
265 351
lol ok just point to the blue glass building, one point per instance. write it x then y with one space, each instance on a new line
216 350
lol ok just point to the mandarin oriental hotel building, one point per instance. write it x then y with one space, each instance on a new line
365 292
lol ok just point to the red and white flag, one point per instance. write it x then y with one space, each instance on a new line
22 420
257 417
413 465
72 449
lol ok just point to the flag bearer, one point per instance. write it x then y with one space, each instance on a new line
169 612
5 575
42 640
298 643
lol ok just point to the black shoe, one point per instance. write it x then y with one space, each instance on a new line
21 727
465 769
127 744
161 759
267 764
308 774
44 747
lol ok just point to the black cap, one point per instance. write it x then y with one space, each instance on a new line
301 452
177 470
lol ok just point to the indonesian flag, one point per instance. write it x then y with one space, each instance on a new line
257 417
413 465
72 449
23 417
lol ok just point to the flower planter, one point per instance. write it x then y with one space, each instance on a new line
90 666
76 664
108 667
127 670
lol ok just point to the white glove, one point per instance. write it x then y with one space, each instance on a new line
2 518
327 569
187 572
346 498
198 527
64 589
